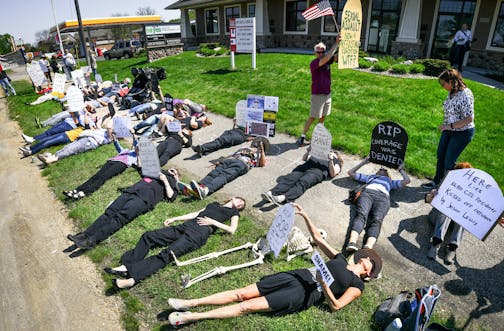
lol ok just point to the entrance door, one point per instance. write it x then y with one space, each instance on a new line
452 14
384 24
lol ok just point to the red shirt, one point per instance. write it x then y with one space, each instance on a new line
321 77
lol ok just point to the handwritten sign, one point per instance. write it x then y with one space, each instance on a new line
321 143
59 83
122 127
75 99
472 198
322 268
36 74
173 126
280 229
149 158
351 24
241 113
388 145
78 78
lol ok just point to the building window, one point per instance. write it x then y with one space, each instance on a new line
212 21
498 36
328 21
231 12
294 21
251 9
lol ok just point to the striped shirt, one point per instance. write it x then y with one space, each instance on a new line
379 183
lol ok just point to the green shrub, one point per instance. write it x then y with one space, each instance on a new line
417 68
434 67
206 51
381 66
209 45
363 54
388 59
221 51
364 64
400 68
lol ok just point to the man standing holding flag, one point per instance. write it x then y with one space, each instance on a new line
320 71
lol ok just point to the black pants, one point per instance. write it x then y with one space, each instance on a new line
225 172
181 239
299 180
107 171
122 211
371 207
457 56
227 139
167 149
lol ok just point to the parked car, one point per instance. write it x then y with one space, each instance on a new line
124 49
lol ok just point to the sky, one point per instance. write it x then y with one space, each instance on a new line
23 19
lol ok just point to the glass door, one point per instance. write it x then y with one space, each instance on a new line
452 14
384 24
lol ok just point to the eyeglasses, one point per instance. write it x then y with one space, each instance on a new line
320 52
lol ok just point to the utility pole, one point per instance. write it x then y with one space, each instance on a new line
81 34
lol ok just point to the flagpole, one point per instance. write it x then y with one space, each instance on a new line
335 23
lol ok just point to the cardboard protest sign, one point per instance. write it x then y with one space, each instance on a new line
241 113
351 24
122 127
36 74
255 101
320 143
78 78
389 141
271 103
75 99
280 229
149 158
472 198
59 83
322 268
258 128
173 126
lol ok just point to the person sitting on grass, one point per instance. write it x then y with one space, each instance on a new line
133 202
230 168
292 186
178 239
373 203
290 291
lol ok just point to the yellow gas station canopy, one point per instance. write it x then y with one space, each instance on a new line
107 22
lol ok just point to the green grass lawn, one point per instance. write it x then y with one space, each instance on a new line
360 100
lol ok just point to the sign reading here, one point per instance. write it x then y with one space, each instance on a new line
280 229
351 24
388 145
472 198
149 158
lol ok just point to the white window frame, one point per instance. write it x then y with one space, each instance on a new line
226 18
255 9
492 30
285 20
218 21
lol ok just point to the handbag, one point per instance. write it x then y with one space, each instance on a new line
467 44
354 194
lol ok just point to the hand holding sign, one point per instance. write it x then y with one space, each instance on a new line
388 144
320 143
173 126
280 229
75 99
149 158
322 268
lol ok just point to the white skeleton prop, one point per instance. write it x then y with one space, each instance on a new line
299 243
260 249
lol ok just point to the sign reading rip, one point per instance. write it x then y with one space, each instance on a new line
388 144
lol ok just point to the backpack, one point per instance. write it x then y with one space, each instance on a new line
392 308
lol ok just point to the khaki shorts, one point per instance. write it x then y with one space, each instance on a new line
320 105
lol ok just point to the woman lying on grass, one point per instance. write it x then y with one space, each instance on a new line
178 239
290 291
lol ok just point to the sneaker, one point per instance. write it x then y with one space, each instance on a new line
25 150
278 199
429 185
177 318
84 243
300 141
186 190
267 196
155 135
176 304
432 253
28 139
202 190
449 257
197 150
352 248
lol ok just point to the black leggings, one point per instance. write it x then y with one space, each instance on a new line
299 180
227 139
225 172
167 149
108 170
181 239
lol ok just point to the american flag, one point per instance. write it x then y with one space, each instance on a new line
323 8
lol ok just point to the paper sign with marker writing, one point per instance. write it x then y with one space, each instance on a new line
78 78
122 127
149 158
173 126
389 141
472 198
322 268
59 83
320 143
351 24
36 74
75 99
241 113
280 229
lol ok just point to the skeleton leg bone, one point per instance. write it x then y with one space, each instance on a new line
209 256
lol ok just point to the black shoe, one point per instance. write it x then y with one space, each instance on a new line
85 243
114 284
429 186
197 150
123 274
111 109
78 236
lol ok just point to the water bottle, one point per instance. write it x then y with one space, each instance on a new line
394 325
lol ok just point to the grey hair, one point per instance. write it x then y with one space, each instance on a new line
319 45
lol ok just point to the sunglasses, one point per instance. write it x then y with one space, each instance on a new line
320 52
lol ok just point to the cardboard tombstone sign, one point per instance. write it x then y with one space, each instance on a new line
149 158
36 74
122 127
241 113
389 141
472 198
281 228
59 83
75 99
320 143
173 126
351 24
78 78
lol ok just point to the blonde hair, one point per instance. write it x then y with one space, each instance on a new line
319 45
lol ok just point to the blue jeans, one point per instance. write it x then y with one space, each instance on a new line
150 122
441 224
371 208
6 85
58 139
58 128
451 145
142 108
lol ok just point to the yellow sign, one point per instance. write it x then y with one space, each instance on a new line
351 24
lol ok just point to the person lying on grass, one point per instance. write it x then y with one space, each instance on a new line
290 291
178 239
133 202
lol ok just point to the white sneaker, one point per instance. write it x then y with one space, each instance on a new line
432 253
27 138
449 257
267 196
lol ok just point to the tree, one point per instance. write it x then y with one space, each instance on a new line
144 11
119 33
5 43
